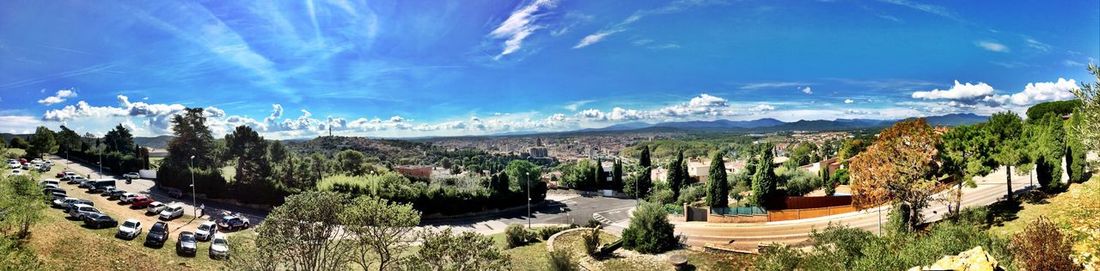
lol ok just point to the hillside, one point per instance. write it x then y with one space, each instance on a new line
384 149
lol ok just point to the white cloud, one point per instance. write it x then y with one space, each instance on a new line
849 101
807 90
1041 92
595 37
1037 45
519 25
58 98
573 106
19 124
992 46
960 91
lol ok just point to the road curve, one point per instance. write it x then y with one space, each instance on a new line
747 236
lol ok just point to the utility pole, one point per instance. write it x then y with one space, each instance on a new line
194 207
528 180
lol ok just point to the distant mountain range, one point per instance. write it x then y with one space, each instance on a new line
773 125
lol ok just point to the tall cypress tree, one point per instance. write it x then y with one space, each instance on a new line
617 175
763 180
676 174
718 189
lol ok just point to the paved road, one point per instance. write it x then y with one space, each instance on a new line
561 208
748 236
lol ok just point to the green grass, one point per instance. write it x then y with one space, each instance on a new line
14 153
533 256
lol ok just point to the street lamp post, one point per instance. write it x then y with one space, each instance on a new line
528 181
193 201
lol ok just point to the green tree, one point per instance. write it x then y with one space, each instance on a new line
445 250
18 143
21 205
617 176
351 162
68 140
643 158
676 176
764 181
900 166
851 147
718 189
42 143
1089 95
1076 164
119 140
649 231
381 230
527 175
305 233
1047 147
965 152
1006 130
192 138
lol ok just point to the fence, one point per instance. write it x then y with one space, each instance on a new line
793 214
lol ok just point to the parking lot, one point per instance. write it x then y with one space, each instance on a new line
121 211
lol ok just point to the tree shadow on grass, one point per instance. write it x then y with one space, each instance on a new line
1004 211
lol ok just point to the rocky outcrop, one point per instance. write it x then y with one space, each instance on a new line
975 259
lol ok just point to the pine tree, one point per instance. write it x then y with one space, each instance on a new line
764 179
676 174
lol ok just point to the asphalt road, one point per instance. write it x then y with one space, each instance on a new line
748 236
562 208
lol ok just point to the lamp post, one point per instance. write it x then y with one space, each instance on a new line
193 201
528 181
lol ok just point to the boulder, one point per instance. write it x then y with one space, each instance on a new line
975 259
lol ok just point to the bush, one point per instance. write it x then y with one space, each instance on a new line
800 182
649 231
562 260
1043 247
591 241
517 236
691 193
662 196
544 233
592 223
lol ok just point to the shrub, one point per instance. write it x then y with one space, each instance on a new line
592 223
591 241
662 196
562 260
516 235
691 193
544 233
649 231
1043 247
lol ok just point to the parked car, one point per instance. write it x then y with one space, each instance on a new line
76 179
48 182
99 220
219 247
140 202
107 190
132 175
155 208
57 195
68 204
61 175
62 202
126 197
129 229
114 194
51 190
233 222
157 235
175 193
186 244
78 211
206 230
16 172
171 212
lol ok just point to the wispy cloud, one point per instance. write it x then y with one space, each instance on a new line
807 90
519 25
674 7
573 106
928 8
767 85
992 46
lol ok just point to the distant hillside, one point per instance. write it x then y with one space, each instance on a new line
157 142
956 119
769 125
384 149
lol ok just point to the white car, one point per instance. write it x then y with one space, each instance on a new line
171 212
219 247
127 197
129 229
155 207
131 175
13 164
206 230
78 211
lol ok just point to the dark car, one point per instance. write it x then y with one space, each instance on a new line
99 220
186 244
51 190
69 204
175 193
233 222
94 189
157 235
57 196
114 194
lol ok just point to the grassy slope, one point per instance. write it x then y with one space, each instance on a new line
535 256
1076 211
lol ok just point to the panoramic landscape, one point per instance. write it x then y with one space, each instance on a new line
550 135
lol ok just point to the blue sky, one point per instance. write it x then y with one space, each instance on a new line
429 68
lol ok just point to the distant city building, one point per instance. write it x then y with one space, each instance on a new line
538 152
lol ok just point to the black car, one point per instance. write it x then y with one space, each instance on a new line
58 195
186 244
157 235
99 220
114 194
51 190
96 189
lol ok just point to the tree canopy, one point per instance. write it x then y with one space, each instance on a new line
718 189
900 166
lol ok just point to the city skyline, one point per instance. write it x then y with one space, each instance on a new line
411 68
